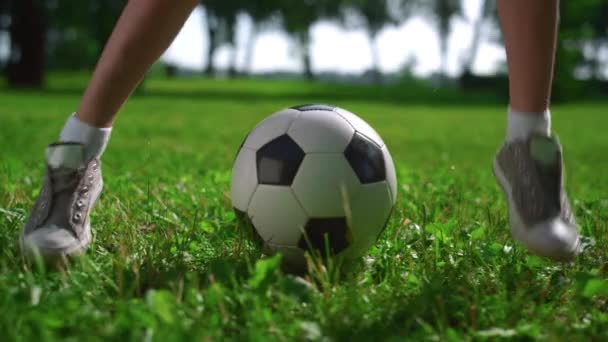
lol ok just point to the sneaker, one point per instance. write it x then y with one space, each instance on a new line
531 174
59 224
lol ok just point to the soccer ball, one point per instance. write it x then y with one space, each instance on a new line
314 178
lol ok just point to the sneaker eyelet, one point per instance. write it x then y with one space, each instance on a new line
77 217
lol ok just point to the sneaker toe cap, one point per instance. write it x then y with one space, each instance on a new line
554 239
51 241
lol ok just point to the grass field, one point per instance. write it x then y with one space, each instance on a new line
168 264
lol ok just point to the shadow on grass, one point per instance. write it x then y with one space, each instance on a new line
136 282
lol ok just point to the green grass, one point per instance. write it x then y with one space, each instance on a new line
167 262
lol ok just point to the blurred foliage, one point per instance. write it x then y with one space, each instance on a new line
298 17
583 33
78 30
441 13
373 16
28 26
221 23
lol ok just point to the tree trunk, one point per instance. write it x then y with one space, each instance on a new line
308 74
170 70
28 44
233 68
210 69
476 39
306 60
4 11
231 32
376 74
250 49
443 51
444 14
598 66
212 31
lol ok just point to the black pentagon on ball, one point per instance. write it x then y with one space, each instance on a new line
318 231
366 159
279 161
309 107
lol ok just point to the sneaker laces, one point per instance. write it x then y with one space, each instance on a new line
64 179
64 182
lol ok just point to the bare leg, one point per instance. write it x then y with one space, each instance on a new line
60 224
142 34
530 31
529 166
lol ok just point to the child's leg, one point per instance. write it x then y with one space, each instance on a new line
530 32
529 166
142 34
59 223
144 30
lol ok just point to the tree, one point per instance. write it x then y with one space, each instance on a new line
4 26
262 13
598 27
79 31
487 13
28 30
441 13
583 32
221 21
212 26
375 15
297 19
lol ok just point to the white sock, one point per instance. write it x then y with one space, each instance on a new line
94 139
523 124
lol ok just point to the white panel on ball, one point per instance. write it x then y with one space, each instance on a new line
360 126
244 179
319 131
324 185
391 175
277 215
370 211
271 128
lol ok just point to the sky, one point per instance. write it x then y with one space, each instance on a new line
336 49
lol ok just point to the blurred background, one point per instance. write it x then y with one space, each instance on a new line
433 44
